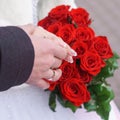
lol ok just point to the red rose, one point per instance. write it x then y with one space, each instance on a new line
101 45
52 85
80 16
59 12
45 22
69 71
75 91
66 33
85 76
80 47
84 33
92 63
54 27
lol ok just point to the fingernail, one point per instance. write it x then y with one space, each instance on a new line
73 52
70 59
50 79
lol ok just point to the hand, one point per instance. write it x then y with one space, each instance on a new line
50 50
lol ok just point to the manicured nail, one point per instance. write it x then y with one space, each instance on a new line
73 52
50 79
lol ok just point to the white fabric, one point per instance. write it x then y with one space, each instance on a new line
27 102
31 103
16 12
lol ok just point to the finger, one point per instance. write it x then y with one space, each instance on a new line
69 59
47 74
62 54
70 51
59 52
57 63
52 75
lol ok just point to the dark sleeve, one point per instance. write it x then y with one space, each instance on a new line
16 57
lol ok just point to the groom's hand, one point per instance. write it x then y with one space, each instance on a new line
50 51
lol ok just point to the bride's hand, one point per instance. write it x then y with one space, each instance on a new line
49 50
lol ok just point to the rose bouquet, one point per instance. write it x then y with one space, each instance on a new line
83 83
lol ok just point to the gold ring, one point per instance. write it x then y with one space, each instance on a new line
52 75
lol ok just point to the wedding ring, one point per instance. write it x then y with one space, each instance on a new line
52 75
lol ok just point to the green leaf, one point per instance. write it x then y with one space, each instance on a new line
104 93
52 101
61 100
71 106
67 104
103 110
116 56
107 71
91 105
101 96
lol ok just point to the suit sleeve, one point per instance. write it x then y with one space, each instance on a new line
16 57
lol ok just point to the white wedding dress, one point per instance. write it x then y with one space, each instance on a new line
27 102
30 103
